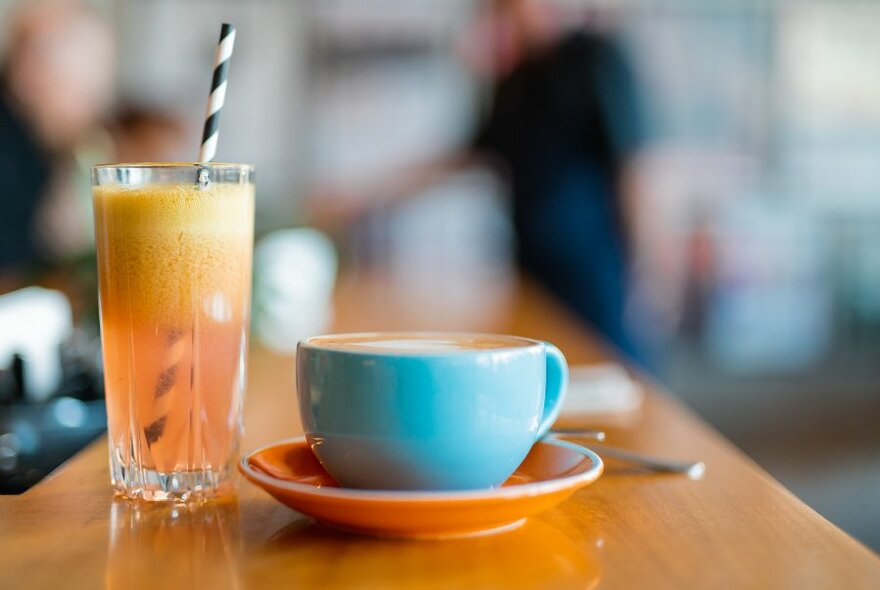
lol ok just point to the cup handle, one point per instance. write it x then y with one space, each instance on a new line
554 391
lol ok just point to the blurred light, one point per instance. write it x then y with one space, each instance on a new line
27 435
8 451
69 412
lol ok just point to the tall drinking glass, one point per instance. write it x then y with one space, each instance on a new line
174 245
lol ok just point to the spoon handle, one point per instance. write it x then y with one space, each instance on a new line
693 469
596 435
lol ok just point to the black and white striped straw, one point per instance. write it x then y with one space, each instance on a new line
208 150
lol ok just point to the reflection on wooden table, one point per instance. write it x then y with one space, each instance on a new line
192 545
535 555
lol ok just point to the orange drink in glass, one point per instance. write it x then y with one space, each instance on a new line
174 245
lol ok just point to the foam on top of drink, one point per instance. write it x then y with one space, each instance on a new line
163 247
418 343
165 209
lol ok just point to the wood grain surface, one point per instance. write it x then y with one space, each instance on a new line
737 528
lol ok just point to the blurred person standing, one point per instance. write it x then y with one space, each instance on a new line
148 134
565 127
56 82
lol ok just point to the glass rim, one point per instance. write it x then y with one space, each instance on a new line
181 165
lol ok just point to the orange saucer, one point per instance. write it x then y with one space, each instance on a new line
551 472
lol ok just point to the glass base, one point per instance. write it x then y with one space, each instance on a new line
174 486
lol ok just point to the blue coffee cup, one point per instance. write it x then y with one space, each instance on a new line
426 411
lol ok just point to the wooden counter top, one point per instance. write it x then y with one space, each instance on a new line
737 528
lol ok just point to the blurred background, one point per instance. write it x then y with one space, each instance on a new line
742 139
